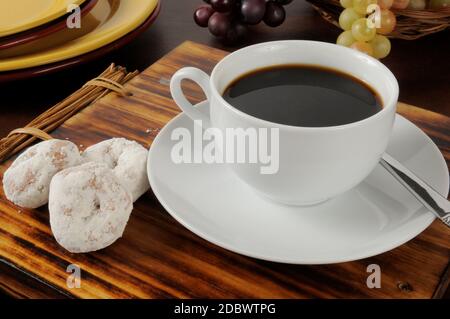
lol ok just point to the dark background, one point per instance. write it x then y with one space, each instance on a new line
421 66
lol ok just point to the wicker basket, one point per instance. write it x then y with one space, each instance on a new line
411 24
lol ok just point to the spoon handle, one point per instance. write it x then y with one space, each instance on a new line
426 194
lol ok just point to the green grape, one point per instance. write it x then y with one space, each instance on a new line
385 4
438 4
400 4
347 17
346 3
381 46
417 4
360 6
361 31
388 22
345 39
362 47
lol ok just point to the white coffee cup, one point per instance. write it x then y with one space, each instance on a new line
315 163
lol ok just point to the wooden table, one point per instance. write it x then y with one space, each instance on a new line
158 258
422 66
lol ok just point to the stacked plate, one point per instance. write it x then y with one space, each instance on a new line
38 37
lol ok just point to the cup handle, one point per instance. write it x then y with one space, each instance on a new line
199 77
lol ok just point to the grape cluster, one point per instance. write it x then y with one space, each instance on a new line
361 35
229 19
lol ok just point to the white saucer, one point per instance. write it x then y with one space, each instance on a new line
376 216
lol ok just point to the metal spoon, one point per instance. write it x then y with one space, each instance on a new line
426 194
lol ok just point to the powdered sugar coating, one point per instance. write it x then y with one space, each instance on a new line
89 207
128 160
26 182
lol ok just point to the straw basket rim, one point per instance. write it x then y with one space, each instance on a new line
411 24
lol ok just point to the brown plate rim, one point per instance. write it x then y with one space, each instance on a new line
22 74
49 28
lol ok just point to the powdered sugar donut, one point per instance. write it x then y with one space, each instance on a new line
26 182
89 207
128 160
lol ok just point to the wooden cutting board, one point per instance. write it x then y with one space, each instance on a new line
158 258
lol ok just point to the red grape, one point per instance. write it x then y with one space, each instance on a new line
202 15
253 11
283 2
219 24
275 14
223 5
236 32
229 19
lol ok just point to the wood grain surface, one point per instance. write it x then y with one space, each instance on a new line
158 258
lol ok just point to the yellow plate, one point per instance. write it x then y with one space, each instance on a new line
108 21
21 15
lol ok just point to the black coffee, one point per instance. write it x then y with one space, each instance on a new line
303 95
